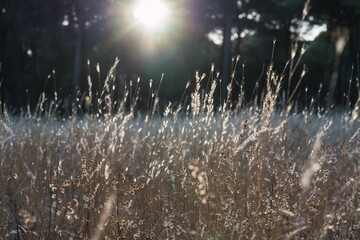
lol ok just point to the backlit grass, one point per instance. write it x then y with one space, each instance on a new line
195 172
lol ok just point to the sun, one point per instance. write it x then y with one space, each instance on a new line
151 14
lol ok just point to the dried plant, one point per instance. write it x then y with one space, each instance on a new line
196 172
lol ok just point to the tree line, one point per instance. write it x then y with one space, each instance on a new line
56 46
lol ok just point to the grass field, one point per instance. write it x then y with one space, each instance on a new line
196 172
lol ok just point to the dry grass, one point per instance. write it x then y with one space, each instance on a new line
201 173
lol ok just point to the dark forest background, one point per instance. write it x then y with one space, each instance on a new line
55 46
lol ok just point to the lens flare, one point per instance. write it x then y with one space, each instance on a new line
151 14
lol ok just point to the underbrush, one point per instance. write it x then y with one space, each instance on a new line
196 172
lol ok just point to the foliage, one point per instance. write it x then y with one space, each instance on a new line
38 38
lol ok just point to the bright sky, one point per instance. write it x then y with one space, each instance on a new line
151 14
309 33
306 32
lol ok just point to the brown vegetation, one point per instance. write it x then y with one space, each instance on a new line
237 172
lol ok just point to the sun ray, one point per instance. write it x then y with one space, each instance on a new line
151 14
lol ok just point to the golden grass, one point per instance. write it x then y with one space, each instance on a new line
200 173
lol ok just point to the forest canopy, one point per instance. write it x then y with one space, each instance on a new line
57 46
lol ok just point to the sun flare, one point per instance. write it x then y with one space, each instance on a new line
151 14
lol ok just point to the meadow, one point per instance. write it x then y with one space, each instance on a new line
192 171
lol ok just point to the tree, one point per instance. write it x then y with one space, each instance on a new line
37 37
342 20
228 6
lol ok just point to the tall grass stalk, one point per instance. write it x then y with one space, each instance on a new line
195 171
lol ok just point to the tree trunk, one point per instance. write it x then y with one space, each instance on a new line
335 81
354 49
2 64
78 57
226 49
34 86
